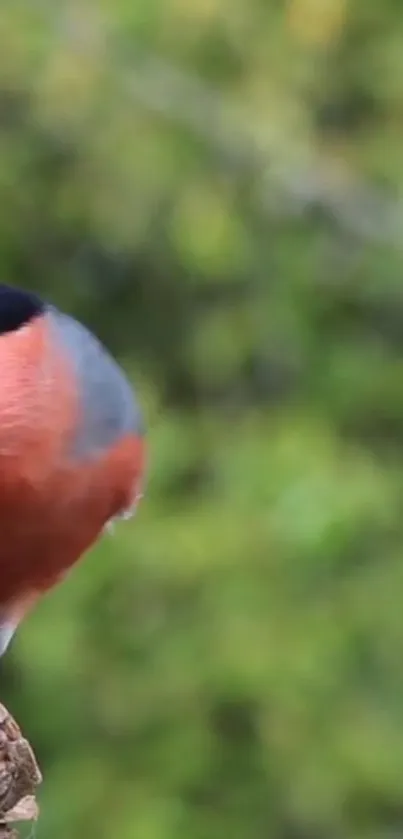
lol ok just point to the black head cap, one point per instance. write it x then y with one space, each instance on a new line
17 307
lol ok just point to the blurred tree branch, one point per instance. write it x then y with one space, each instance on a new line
281 187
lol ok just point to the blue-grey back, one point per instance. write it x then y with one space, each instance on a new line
109 409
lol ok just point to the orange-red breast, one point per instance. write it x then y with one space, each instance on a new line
71 448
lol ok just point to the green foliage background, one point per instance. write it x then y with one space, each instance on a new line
214 187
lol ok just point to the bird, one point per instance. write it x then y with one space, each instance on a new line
72 449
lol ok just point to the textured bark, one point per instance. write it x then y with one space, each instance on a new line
19 777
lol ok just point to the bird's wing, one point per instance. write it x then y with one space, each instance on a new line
108 410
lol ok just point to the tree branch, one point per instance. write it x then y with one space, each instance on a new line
19 777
